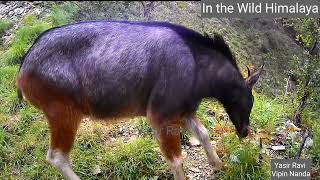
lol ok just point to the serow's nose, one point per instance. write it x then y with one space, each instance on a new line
243 132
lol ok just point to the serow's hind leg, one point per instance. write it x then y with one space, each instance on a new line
63 122
167 132
201 133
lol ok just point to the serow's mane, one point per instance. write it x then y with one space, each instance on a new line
218 43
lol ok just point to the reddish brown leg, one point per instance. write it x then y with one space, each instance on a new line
63 121
63 118
167 132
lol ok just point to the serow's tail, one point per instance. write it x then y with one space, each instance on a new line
20 97
19 92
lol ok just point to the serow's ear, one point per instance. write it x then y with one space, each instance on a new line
252 79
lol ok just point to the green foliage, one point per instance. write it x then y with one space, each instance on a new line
23 147
143 127
5 24
308 30
311 119
63 14
8 93
306 68
30 28
202 113
307 72
135 160
268 113
244 161
315 151
185 136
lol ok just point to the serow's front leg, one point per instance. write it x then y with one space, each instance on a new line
201 133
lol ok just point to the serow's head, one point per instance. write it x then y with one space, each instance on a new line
241 102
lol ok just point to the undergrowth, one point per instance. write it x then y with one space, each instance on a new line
243 160
5 24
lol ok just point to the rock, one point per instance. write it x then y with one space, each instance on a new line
193 169
234 158
193 141
190 176
213 143
184 154
11 13
278 148
96 170
308 143
291 127
36 12
155 178
18 11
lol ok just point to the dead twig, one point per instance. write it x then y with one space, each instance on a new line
305 136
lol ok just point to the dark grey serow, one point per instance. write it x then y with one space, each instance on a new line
104 69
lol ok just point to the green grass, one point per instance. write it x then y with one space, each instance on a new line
311 119
31 27
23 148
202 113
5 24
8 93
243 160
143 127
23 38
62 14
268 113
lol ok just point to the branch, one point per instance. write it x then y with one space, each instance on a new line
143 5
306 135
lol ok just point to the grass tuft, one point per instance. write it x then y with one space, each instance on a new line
63 14
29 30
243 160
5 24
268 113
